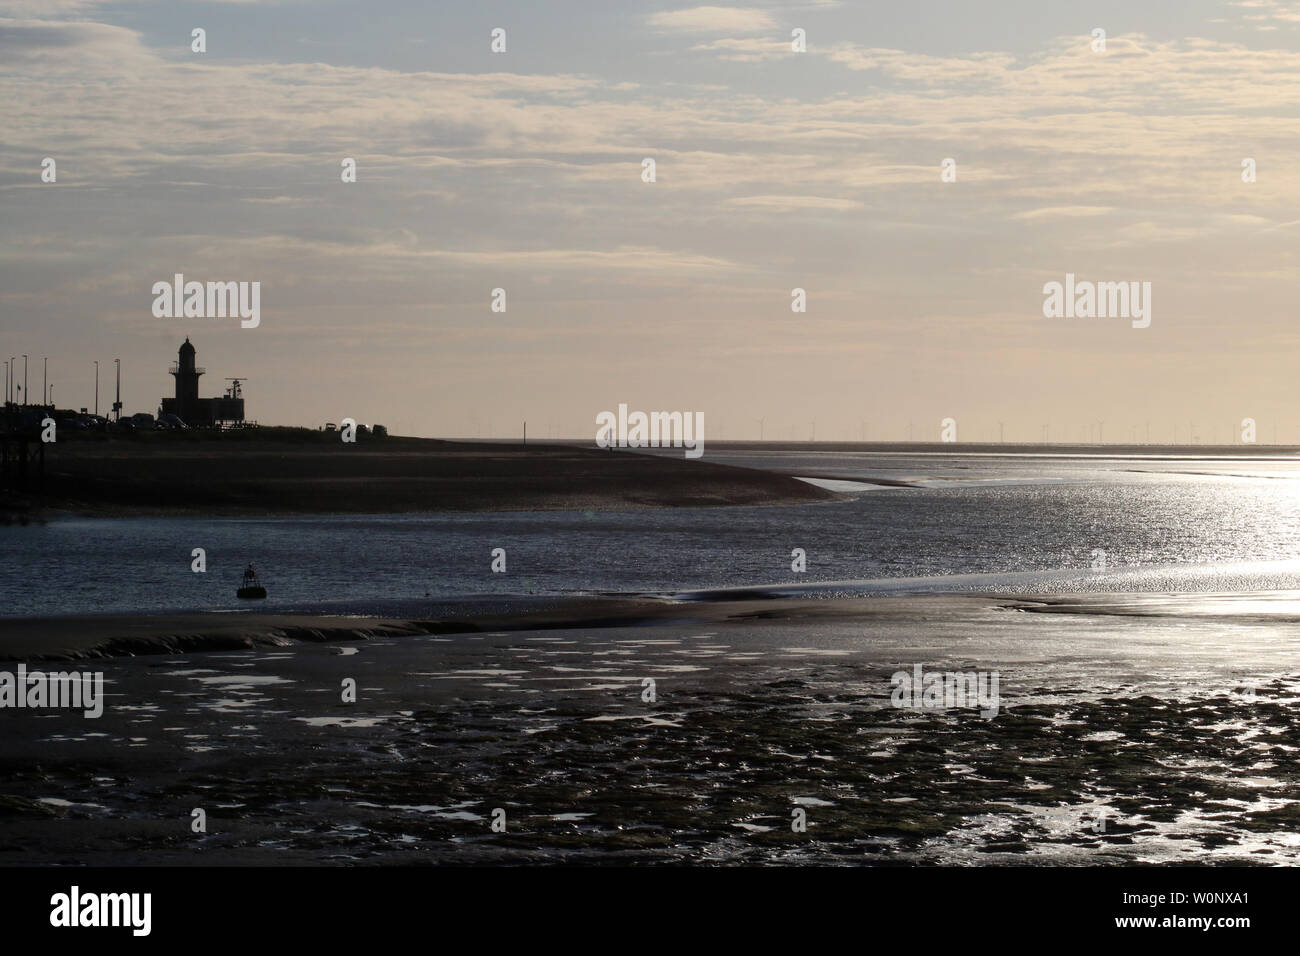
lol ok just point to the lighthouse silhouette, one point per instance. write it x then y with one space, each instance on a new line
187 382
192 410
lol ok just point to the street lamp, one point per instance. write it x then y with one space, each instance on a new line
45 381
96 387
24 379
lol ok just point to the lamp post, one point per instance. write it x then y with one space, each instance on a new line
24 379
97 387
45 381
117 404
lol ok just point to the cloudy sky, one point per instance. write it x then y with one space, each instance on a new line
775 170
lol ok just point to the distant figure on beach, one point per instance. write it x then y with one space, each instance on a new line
250 576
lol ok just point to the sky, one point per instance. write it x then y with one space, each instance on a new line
775 170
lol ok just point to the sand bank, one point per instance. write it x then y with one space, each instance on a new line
316 473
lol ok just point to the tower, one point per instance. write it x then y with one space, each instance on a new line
187 382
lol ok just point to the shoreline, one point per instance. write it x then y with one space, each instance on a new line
311 473
61 638
640 731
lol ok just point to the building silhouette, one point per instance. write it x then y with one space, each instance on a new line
188 407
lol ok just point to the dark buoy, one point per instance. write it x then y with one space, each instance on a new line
251 588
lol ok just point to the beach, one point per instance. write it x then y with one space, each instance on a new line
1126 734
296 471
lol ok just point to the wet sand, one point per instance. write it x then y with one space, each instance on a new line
1177 726
287 471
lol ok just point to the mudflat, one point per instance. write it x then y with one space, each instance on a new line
698 732
295 471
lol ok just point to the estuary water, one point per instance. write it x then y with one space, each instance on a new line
956 523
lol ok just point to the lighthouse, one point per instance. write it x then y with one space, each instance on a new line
195 411
187 382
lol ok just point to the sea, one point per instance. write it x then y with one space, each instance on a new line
1016 524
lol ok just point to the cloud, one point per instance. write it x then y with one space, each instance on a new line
713 20
69 46
746 49
1062 212
1061 135
45 8
1285 12
794 203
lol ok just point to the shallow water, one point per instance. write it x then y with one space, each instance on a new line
1027 525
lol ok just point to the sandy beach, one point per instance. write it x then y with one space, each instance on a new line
296 471
1172 722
